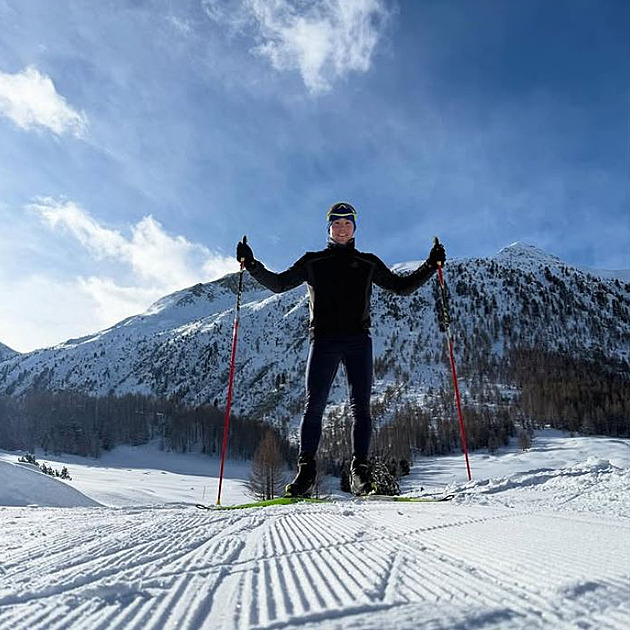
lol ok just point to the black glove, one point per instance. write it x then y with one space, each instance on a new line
437 255
244 252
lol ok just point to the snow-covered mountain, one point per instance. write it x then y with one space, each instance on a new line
180 346
6 352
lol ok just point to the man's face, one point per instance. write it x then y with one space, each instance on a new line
341 231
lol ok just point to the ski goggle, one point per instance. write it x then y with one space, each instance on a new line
341 211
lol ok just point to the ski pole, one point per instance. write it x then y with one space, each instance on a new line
445 319
226 422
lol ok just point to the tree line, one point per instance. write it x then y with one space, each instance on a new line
590 397
75 423
548 388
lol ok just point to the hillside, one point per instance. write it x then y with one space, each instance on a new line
6 352
179 348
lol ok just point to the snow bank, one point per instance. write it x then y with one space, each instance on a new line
23 485
595 485
141 475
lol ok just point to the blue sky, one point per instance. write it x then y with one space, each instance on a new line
140 140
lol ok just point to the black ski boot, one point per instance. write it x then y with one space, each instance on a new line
360 478
304 481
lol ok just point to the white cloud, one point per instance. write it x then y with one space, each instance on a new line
156 258
182 26
101 242
112 302
324 40
30 100
45 310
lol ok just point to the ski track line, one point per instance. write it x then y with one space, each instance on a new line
97 540
324 566
461 580
112 616
435 581
292 540
369 569
467 581
529 575
293 584
110 584
571 559
132 544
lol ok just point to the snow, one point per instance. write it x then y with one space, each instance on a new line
6 352
25 485
538 539
127 476
524 253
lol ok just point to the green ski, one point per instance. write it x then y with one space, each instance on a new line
255 504
292 500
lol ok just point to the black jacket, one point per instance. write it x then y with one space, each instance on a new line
339 280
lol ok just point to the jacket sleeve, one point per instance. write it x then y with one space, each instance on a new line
278 282
402 285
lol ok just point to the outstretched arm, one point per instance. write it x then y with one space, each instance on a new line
276 282
404 285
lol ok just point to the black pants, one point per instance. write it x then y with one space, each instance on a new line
355 352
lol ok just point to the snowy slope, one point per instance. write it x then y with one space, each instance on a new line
24 485
539 540
6 352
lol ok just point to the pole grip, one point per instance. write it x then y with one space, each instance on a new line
242 260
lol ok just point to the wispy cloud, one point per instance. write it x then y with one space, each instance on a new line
157 259
31 101
153 263
324 40
182 26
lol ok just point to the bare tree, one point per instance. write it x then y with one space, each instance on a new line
267 477
524 440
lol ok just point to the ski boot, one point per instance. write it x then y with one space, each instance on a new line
360 478
304 481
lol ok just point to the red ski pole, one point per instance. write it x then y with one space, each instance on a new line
226 422
446 321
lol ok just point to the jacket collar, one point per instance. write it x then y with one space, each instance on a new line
337 247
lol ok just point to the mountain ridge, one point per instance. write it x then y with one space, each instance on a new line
6 352
180 346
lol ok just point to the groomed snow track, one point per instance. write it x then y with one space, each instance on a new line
342 565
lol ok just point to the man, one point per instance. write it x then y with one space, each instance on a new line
339 280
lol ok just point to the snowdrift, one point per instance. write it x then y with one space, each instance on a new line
23 485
